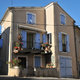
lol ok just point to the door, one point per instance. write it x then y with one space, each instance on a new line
65 67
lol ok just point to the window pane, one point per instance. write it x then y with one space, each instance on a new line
64 42
62 19
30 18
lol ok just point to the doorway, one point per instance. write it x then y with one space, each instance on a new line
23 63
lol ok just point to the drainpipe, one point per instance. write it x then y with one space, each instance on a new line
76 50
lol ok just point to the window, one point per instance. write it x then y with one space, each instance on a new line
37 61
23 62
62 19
64 42
49 38
31 18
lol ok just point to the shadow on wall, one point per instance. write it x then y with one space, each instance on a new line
4 52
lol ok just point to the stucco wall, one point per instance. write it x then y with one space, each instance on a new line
7 20
68 29
19 18
49 10
54 26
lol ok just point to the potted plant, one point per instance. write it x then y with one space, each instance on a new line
14 62
49 65
14 69
18 45
46 47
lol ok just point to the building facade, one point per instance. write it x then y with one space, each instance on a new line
60 24
41 38
77 40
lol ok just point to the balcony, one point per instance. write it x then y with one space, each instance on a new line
30 43
31 47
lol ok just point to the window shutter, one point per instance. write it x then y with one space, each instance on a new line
37 41
29 18
50 38
60 41
33 19
1 43
44 38
67 46
24 38
37 61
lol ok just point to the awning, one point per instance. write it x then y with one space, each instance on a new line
31 28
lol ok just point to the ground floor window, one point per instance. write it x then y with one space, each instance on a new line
37 61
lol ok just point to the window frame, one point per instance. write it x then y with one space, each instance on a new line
66 43
60 18
27 18
26 59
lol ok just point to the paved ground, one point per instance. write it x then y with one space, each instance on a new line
33 78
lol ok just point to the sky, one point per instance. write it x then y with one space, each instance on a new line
72 7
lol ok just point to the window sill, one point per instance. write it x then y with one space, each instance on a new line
64 52
63 24
31 24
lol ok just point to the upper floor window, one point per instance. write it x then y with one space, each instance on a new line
49 38
31 18
64 42
62 19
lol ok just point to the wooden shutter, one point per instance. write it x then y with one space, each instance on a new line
24 38
29 18
50 38
44 38
33 19
67 44
60 42
37 41
37 61
1 43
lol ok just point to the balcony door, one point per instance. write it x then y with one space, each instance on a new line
30 40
